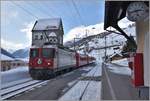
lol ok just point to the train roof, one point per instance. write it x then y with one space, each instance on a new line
66 48
47 24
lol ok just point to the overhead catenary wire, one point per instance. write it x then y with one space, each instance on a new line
25 10
47 6
42 10
81 20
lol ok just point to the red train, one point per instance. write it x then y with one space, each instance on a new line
46 62
48 57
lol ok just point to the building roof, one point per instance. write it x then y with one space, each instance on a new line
4 58
115 11
46 24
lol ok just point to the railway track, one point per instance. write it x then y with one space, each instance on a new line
16 88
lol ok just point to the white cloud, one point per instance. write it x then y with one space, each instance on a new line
27 31
75 32
11 45
8 17
80 31
11 14
7 44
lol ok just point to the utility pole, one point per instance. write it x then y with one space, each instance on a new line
74 44
86 34
105 48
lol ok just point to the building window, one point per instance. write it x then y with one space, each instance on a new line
35 37
41 37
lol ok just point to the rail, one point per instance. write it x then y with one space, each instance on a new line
13 90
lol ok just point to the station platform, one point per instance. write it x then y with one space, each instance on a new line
117 86
103 83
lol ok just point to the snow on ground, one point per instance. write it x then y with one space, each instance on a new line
98 71
15 74
123 62
26 60
93 92
87 68
123 69
88 90
4 57
17 69
92 72
72 83
120 70
75 93
14 83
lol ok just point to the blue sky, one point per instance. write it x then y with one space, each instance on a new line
18 17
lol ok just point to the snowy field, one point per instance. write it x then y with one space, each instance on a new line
15 74
123 70
85 90
123 62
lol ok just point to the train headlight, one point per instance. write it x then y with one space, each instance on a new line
49 63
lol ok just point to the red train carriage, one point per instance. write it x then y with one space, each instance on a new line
82 59
91 59
45 62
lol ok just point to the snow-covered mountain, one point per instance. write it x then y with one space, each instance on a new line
6 53
111 39
18 54
21 53
10 50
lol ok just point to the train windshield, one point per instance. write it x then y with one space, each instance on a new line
34 53
48 53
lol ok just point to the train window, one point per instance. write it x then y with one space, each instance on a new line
34 53
48 53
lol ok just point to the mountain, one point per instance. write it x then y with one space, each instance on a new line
10 50
3 51
21 53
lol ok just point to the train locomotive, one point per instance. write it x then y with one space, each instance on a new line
48 56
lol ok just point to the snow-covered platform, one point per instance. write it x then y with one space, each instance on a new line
87 88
